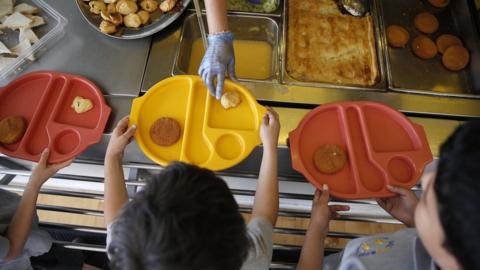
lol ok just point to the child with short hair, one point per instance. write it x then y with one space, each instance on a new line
20 237
446 218
186 217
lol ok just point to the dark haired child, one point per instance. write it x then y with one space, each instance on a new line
445 221
186 217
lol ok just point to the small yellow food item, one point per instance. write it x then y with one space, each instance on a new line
167 5
81 105
149 5
107 27
114 18
132 20
126 7
97 6
111 8
230 99
144 16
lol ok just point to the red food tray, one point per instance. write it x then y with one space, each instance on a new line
382 145
44 100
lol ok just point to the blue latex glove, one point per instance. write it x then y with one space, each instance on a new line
217 59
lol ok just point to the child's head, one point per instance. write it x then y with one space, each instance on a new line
185 218
448 214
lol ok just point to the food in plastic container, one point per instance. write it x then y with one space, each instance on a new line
28 28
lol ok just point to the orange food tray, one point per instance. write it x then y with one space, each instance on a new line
44 100
382 145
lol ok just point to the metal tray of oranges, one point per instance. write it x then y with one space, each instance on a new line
211 136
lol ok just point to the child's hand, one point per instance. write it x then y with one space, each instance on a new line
270 129
322 212
121 137
402 206
42 171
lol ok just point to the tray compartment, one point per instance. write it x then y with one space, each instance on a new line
258 31
369 174
66 141
408 73
195 140
219 118
65 114
38 138
388 132
229 146
401 169
173 103
17 100
331 133
379 48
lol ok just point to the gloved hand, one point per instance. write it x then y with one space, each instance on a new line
217 59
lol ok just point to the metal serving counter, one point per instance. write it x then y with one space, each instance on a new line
127 69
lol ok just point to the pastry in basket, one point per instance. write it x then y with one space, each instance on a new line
165 131
456 58
230 99
327 46
12 129
330 158
397 36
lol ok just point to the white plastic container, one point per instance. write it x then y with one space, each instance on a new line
48 35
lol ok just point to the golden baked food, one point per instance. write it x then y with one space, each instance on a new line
424 47
165 131
445 41
12 129
439 3
456 58
230 99
327 46
426 22
330 158
397 36
81 105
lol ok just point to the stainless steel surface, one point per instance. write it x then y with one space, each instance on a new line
408 73
159 21
243 27
378 30
201 24
116 66
357 8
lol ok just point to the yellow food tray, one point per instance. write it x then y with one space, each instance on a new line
212 137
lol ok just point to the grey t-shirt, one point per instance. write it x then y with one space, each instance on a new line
399 250
38 242
260 235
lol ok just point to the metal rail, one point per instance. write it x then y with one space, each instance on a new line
101 232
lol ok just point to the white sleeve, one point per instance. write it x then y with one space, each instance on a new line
260 235
109 236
